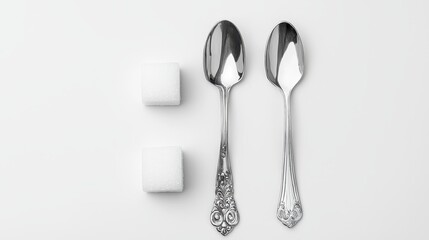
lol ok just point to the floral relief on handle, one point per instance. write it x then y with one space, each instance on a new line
224 215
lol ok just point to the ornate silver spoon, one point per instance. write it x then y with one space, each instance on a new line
284 66
224 67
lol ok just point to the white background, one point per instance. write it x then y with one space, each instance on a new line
72 124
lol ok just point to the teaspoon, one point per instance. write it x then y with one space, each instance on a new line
284 66
224 67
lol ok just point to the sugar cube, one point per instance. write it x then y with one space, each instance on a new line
162 169
160 83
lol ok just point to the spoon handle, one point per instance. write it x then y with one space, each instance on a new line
289 211
224 215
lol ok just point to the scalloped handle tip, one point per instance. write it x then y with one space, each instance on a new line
289 217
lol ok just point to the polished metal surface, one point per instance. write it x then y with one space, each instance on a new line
224 67
284 66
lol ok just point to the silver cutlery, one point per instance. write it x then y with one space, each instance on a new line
224 67
284 66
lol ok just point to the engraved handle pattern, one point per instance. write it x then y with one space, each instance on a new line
224 215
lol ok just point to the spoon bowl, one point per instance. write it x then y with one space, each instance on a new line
224 55
284 58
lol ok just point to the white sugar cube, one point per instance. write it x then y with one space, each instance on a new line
160 83
162 169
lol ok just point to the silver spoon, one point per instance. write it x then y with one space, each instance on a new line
224 67
284 66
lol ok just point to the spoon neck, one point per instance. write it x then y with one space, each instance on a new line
224 94
287 111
